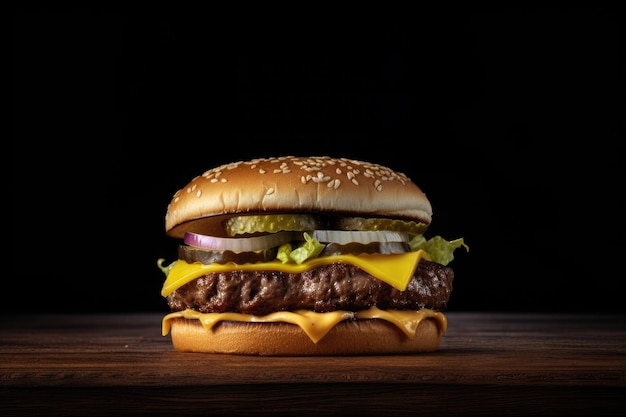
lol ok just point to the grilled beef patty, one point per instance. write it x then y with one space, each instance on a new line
326 288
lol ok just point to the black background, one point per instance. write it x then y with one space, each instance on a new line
511 120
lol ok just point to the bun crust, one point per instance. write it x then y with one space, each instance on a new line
291 185
354 337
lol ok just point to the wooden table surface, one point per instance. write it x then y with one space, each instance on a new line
488 364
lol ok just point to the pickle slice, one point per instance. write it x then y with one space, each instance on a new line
191 254
271 223
385 248
394 225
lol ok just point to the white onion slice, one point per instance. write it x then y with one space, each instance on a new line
343 237
238 244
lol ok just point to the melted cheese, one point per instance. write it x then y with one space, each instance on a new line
316 325
396 270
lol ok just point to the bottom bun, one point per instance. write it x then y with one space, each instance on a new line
352 337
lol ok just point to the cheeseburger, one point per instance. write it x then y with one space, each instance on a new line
299 256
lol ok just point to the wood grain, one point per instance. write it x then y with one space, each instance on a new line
488 363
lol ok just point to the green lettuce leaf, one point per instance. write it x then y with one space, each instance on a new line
439 249
309 249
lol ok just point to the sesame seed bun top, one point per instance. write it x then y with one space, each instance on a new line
294 185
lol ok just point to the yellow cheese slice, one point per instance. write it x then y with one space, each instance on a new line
316 325
396 269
